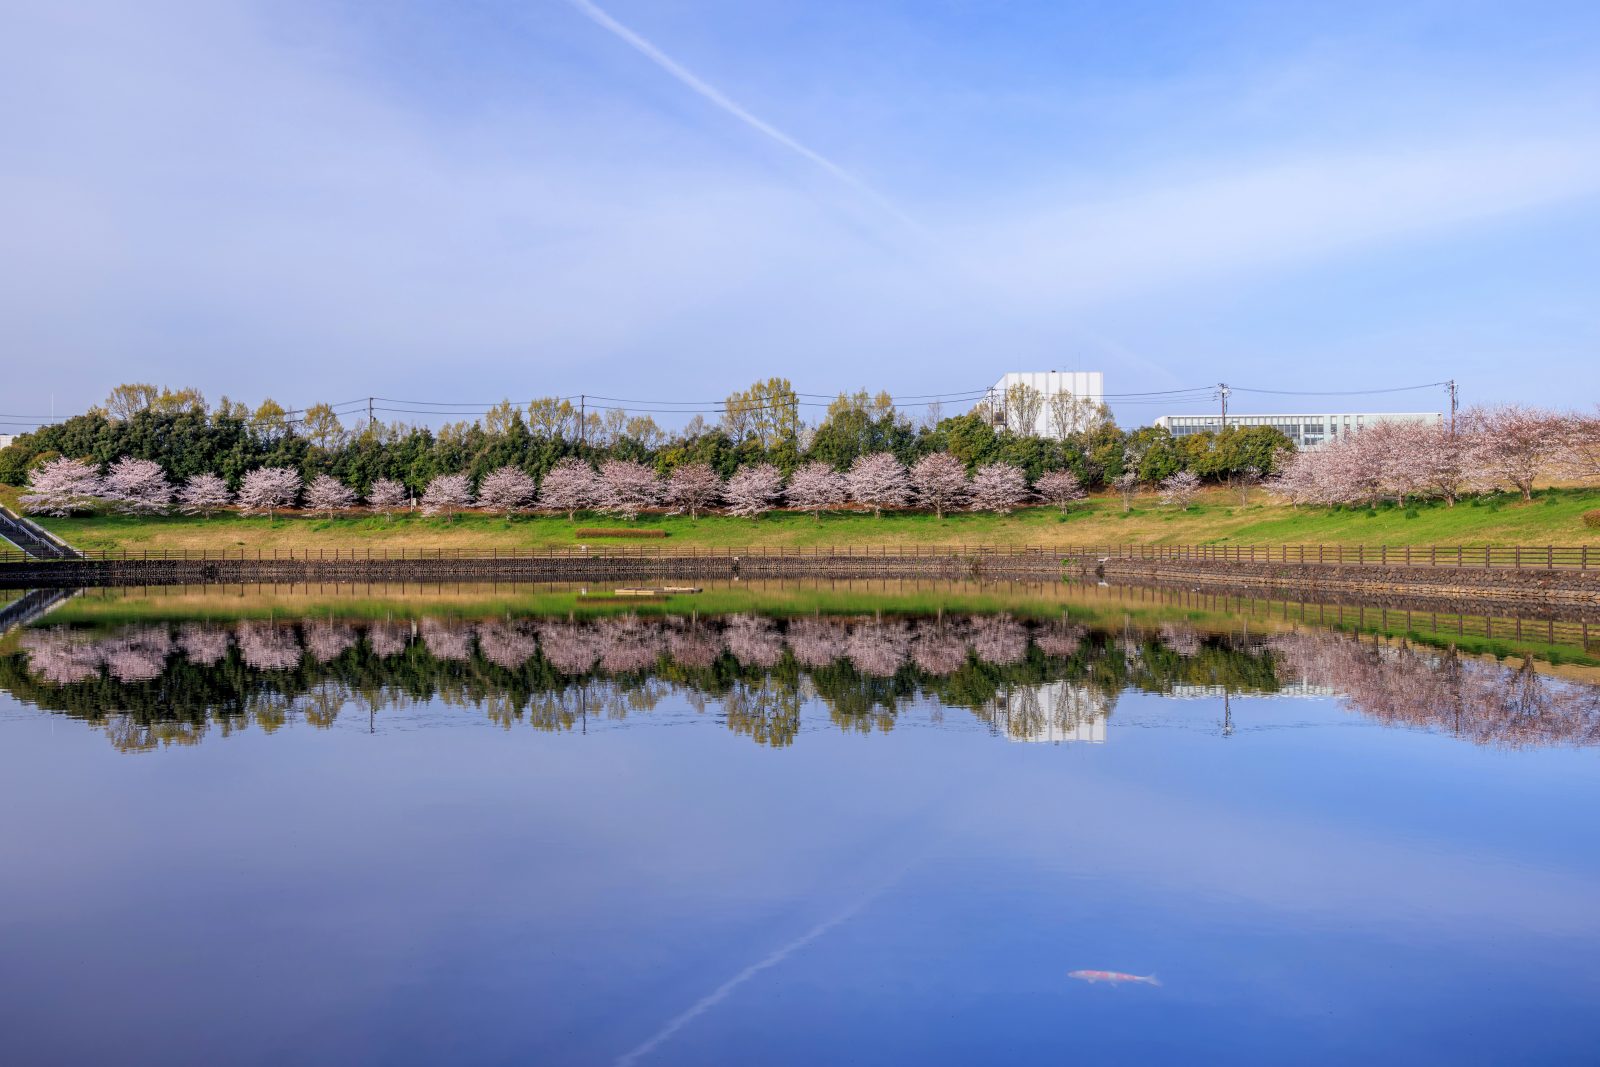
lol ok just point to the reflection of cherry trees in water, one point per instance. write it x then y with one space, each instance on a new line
62 657
692 644
1484 701
939 647
1059 638
816 642
139 655
267 646
1181 637
508 644
327 641
628 643
878 648
1052 680
202 645
388 639
754 641
446 639
571 648
999 639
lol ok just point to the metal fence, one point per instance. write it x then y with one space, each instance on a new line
1520 557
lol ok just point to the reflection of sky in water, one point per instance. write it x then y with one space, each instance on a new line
1311 887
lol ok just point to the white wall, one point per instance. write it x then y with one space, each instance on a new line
1086 385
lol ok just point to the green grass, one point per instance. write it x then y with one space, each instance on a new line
1553 517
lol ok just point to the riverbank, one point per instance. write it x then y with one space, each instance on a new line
1555 516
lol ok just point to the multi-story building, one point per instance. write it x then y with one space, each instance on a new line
1306 431
1068 400
6 439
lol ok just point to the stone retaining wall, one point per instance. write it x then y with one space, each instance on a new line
642 569
1297 579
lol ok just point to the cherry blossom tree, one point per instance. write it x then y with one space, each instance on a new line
571 486
1059 488
879 481
817 487
1516 445
629 488
752 491
328 494
1127 484
137 486
1297 480
203 494
940 483
692 488
1180 489
61 487
385 496
505 489
447 494
1443 463
267 489
1581 456
999 487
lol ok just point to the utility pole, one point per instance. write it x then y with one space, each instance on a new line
583 421
369 414
1222 392
1450 387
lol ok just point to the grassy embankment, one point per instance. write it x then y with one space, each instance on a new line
1553 517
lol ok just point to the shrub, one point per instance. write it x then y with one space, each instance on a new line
1592 518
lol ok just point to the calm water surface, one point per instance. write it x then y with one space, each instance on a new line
874 839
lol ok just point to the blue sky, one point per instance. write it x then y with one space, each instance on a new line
670 199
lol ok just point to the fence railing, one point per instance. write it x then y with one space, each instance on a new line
1520 557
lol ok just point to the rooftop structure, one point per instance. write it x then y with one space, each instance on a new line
1306 431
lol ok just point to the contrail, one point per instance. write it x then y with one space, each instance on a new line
711 93
719 994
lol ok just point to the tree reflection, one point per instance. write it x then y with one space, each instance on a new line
1484 701
1050 680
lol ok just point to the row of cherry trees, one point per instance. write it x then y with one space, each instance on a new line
1509 447
938 482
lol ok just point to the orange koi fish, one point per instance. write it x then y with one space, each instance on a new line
1115 977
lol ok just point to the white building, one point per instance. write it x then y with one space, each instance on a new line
6 439
1306 431
1086 387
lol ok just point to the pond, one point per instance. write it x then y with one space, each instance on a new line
464 825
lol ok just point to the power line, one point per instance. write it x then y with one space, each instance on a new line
1340 392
